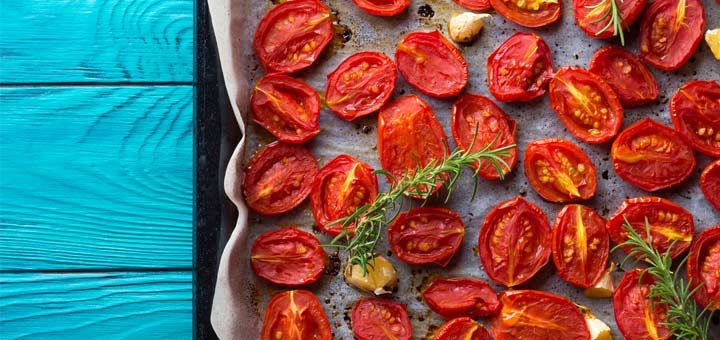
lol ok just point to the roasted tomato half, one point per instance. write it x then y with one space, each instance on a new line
670 32
532 314
703 267
377 318
287 107
360 85
586 105
629 78
456 297
383 8
592 15
431 64
652 156
636 316
295 315
409 137
580 245
341 186
668 223
520 68
461 329
426 235
514 242
532 13
695 112
288 257
477 121
292 34
559 170
278 178
710 183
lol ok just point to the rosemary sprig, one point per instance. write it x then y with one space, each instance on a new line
616 19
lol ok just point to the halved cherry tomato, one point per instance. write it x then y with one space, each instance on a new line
431 64
287 107
580 245
341 186
537 315
670 32
288 257
295 315
695 112
559 170
532 13
710 183
409 136
461 329
383 8
377 318
592 15
278 178
636 316
360 85
703 267
629 78
456 297
474 5
520 68
514 242
652 156
668 223
426 235
586 105
473 114
292 34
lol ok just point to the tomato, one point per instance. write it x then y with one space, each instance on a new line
383 8
426 235
473 114
710 183
592 15
288 257
668 223
559 170
580 245
378 318
292 35
514 242
636 316
278 178
586 105
342 185
532 13
474 5
431 64
703 267
360 85
295 315
629 78
520 68
532 314
457 297
695 112
461 329
287 107
409 136
670 32
652 156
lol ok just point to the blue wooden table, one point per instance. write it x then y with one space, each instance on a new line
96 158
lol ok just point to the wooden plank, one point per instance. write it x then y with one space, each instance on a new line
96 306
96 177
96 41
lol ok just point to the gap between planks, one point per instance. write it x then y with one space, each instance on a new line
99 270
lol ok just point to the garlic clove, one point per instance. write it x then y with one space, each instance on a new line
605 287
464 27
381 277
598 329
712 37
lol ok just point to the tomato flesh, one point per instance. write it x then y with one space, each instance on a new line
529 13
710 183
695 113
474 5
288 256
591 15
286 107
457 297
703 267
295 315
670 32
636 316
426 235
629 78
377 318
383 8
520 68
559 170
463 328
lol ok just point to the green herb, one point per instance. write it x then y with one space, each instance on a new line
616 19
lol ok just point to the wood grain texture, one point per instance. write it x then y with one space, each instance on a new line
96 306
96 177
96 41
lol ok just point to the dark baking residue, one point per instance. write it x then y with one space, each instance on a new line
426 11
342 32
605 175
366 129
333 267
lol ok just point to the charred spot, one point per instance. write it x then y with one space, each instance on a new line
605 175
333 267
342 33
426 11
523 193
366 129
389 253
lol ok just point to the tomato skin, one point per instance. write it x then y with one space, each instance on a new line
370 318
294 257
633 309
383 8
652 156
281 51
681 38
357 186
629 78
420 56
543 16
559 170
702 267
287 309
426 235
501 240
594 117
474 5
472 113
462 328
696 106
710 183
278 178
360 85
279 96
456 297
587 18
514 74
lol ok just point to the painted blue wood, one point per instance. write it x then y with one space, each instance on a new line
96 41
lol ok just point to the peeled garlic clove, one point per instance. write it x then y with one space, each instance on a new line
605 287
381 277
712 37
464 27
598 329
